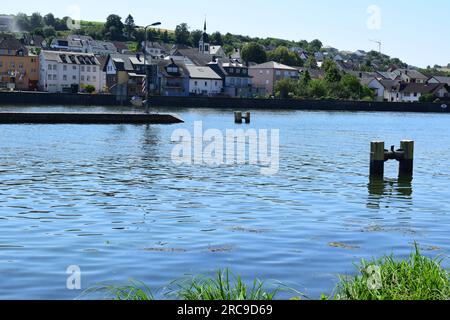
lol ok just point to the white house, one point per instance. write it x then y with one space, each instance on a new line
378 88
154 49
69 71
439 79
410 76
204 81
411 92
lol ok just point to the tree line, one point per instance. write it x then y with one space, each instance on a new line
334 85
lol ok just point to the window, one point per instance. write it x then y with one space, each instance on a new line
49 77
286 73
206 83
55 77
82 78
55 67
94 78
231 70
88 69
94 69
74 67
64 68
293 73
21 66
195 83
260 72
82 68
268 72
49 67
88 78
65 77
267 81
278 73
74 77
13 65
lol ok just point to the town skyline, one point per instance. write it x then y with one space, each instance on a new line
355 24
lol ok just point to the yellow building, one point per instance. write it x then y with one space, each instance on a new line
18 69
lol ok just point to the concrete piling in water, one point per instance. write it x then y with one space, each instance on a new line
407 161
247 117
238 117
377 159
405 157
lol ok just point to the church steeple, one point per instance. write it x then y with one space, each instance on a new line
203 44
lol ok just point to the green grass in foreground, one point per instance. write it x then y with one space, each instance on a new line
224 286
416 278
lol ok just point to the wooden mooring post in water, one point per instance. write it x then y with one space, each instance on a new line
404 155
238 117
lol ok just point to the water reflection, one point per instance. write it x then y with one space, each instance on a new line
384 190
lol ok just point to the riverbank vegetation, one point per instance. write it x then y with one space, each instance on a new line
415 278
334 85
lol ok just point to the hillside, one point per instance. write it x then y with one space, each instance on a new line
117 28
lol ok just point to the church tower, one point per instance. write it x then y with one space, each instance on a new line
203 44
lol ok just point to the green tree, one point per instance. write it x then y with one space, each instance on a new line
285 88
428 97
351 86
303 84
253 52
317 88
216 39
182 34
130 26
311 62
22 22
166 37
314 46
61 24
49 32
195 37
113 28
36 21
332 73
49 20
38 32
285 56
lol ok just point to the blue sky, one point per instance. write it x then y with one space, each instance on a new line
415 31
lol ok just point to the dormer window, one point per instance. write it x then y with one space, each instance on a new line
172 69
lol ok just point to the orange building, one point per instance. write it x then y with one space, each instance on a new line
18 69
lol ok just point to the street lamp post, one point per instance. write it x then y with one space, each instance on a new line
147 83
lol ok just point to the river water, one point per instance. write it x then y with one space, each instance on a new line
109 199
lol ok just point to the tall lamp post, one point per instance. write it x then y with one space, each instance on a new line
147 84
